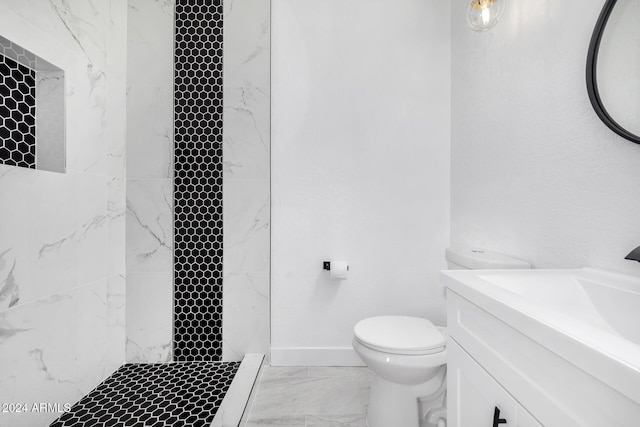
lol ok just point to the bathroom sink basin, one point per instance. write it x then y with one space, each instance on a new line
609 302
588 317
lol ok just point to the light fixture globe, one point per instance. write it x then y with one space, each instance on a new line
484 14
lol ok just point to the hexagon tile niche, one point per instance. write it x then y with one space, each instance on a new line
32 113
197 331
17 114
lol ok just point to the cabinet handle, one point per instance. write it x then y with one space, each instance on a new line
496 417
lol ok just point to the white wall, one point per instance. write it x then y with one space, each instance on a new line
535 174
62 236
360 168
618 66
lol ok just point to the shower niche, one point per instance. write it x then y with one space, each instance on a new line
32 110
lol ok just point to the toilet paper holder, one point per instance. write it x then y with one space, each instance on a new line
326 265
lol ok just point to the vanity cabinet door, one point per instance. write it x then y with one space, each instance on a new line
525 419
474 398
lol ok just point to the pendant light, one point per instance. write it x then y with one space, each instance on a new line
484 14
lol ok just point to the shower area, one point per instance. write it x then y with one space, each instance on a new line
145 259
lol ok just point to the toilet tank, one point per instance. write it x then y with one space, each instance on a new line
479 259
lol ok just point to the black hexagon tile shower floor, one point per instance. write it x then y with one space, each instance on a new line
156 394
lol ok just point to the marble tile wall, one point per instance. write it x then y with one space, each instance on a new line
116 136
50 120
149 206
62 266
150 174
246 197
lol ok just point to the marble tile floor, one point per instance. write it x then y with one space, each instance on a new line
310 397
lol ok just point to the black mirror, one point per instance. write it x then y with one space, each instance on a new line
613 68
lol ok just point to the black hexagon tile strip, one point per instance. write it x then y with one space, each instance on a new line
198 181
17 114
154 395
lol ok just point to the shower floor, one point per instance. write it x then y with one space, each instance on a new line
158 394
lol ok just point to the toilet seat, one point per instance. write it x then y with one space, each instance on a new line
400 335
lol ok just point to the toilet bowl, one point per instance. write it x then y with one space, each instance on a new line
407 356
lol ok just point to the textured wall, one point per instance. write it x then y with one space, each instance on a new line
246 178
150 181
360 168
535 174
62 240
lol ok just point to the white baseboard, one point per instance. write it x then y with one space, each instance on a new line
314 356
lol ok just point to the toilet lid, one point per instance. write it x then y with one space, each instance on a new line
399 335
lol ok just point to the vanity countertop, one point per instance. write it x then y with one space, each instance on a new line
589 317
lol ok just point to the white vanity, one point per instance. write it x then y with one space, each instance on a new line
543 348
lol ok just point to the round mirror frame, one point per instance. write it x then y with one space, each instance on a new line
592 84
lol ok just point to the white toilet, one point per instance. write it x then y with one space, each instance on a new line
407 356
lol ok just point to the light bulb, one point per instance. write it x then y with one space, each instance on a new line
484 14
